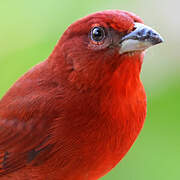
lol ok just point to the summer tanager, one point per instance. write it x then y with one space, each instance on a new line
75 115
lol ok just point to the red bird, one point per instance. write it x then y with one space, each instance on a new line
75 115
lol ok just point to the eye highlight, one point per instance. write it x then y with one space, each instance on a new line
97 34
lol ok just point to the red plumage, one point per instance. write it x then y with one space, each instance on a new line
75 115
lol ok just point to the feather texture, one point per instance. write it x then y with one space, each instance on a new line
75 115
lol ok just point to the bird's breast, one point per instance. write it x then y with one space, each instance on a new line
111 126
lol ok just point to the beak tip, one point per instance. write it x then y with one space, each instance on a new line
161 40
157 40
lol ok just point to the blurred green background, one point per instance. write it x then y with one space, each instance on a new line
30 29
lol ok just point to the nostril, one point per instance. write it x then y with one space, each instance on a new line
141 33
149 33
154 34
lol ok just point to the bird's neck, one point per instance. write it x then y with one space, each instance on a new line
126 79
123 103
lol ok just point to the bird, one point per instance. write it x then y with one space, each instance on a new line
75 115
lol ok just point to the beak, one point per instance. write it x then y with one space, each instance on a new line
140 39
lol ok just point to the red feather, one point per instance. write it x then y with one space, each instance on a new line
75 115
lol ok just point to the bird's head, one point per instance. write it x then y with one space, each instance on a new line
97 45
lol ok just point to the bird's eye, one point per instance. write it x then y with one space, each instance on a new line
97 34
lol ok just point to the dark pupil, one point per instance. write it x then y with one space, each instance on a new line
97 34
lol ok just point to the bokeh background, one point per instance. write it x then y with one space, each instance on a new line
30 29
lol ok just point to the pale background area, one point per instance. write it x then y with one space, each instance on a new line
30 29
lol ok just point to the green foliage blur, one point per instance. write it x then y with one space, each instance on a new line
29 31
